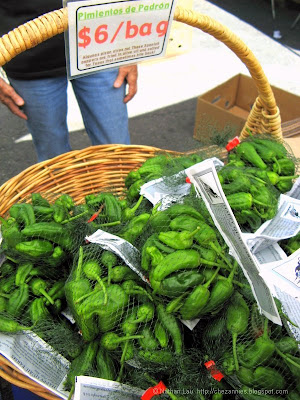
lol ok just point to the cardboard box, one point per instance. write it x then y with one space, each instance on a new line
224 109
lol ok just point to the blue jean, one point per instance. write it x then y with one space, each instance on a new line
103 112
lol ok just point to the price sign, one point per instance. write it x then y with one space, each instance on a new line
105 35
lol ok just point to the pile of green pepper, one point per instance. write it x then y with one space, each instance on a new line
127 327
256 173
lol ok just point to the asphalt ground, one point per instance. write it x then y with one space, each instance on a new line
170 126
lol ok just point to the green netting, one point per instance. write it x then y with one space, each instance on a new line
92 308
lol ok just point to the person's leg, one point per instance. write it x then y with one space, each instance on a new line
103 111
46 109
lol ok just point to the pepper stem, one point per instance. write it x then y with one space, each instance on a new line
220 254
234 351
287 358
101 283
79 264
231 275
75 217
46 295
278 165
212 277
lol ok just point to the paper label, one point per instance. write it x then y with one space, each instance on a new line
36 359
125 250
88 388
109 34
206 181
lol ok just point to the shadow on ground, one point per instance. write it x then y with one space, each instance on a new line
258 13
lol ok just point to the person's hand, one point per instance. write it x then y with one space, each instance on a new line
11 99
130 74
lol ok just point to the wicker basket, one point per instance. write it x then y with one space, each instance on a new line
101 167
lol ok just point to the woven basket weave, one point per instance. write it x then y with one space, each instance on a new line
101 167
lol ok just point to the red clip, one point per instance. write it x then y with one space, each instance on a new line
94 216
187 179
233 143
215 373
154 391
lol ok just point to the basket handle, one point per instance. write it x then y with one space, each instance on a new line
264 115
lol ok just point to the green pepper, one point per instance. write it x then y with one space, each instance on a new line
67 201
50 231
105 365
131 177
38 287
285 167
221 291
7 284
57 291
6 269
10 326
22 273
156 356
135 227
184 222
38 200
144 314
109 260
161 335
112 208
3 303
129 213
260 351
237 316
240 184
148 340
155 254
268 378
277 147
178 209
75 288
266 153
38 311
60 212
293 363
145 256
128 326
197 299
134 189
247 152
178 283
240 201
206 235
18 300
160 221
284 186
121 273
287 344
110 340
180 259
214 330
43 214
108 316
23 213
245 376
93 271
251 218
35 248
175 304
228 366
81 365
10 233
171 325
275 178
132 288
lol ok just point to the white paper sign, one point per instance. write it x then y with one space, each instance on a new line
108 34
206 181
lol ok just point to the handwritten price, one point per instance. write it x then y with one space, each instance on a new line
127 30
